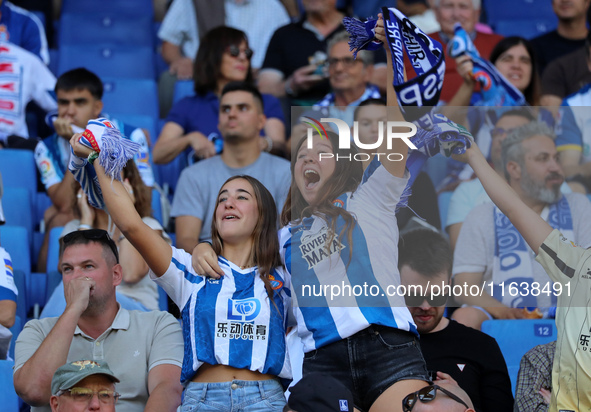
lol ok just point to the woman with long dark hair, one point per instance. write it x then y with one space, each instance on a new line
515 59
192 124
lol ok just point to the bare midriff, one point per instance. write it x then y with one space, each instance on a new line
222 373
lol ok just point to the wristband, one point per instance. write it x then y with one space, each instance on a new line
92 157
83 226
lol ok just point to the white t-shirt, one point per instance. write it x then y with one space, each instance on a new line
23 78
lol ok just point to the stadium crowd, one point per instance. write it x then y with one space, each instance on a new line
175 178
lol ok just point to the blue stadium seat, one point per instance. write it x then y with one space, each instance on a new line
138 120
515 337
54 249
53 279
182 88
21 299
525 28
18 208
143 7
443 201
109 60
156 206
15 239
41 204
53 61
18 169
497 10
8 396
15 329
133 29
131 96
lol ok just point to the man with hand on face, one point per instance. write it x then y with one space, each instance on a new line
145 348
83 386
471 357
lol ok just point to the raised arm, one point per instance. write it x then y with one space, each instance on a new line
396 168
151 246
531 226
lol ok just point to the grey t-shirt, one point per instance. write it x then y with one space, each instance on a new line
198 186
475 248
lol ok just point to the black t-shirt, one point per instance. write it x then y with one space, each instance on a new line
551 45
292 46
567 75
475 361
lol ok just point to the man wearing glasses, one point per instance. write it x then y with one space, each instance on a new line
469 356
349 79
145 349
84 385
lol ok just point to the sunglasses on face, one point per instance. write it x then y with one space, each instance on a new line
234 51
425 395
417 300
85 395
97 235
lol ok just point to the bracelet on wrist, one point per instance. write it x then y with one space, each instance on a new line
83 226
92 157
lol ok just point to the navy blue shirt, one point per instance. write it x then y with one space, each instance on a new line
201 114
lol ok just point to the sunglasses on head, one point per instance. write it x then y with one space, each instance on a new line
234 51
425 395
97 235
417 300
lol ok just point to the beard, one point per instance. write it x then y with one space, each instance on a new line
539 191
96 305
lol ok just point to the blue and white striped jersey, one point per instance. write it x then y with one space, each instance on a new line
7 287
366 267
230 321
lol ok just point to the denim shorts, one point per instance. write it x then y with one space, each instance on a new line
369 362
237 395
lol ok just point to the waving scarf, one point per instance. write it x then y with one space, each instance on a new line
418 96
495 89
114 152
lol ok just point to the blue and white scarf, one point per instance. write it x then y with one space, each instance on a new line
371 92
425 54
114 152
435 133
495 89
513 257
327 108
